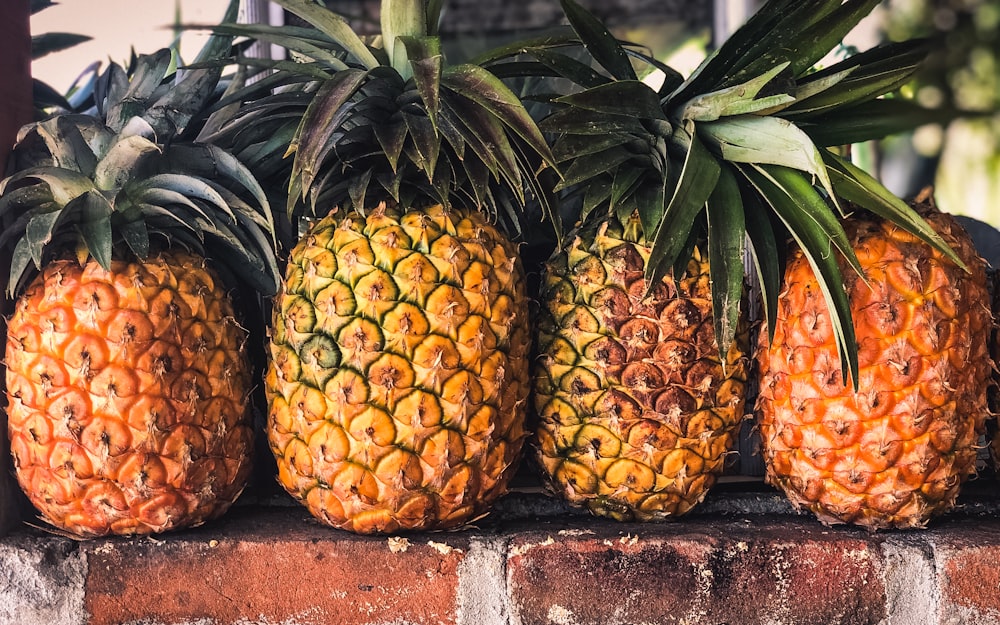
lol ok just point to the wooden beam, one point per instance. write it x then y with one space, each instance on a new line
15 73
15 111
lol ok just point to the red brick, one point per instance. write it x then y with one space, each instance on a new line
967 553
273 566
698 571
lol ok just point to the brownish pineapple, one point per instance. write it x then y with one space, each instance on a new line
893 450
638 412
128 379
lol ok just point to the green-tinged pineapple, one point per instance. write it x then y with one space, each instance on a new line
128 379
638 412
399 375
640 385
893 449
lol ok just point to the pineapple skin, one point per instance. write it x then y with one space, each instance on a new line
636 412
398 382
128 393
894 452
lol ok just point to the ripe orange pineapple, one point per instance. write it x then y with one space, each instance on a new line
399 373
127 377
893 450
128 390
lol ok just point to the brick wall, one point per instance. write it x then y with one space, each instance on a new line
533 562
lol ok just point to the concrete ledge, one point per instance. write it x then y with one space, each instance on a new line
533 562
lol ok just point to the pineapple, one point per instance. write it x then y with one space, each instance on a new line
128 377
638 411
641 379
398 381
892 449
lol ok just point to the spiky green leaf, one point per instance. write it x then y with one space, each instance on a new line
24 199
215 164
735 100
426 142
568 146
63 184
574 121
856 185
765 140
488 91
566 66
123 161
168 199
19 263
95 226
872 120
67 145
630 98
47 43
40 229
333 25
648 198
806 46
820 236
401 18
426 64
147 73
558 37
767 29
767 261
726 245
306 42
601 44
696 183
588 166
862 85
136 236
319 123
192 187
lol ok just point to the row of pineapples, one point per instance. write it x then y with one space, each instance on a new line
402 363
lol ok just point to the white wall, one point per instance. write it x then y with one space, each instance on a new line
117 26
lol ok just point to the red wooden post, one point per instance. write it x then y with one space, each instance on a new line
15 111
15 73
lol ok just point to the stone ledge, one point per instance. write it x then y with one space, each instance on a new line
742 559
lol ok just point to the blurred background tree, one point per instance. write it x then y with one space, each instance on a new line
962 159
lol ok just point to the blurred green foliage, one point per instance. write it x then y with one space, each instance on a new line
963 73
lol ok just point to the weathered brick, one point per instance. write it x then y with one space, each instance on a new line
41 581
698 571
273 566
967 555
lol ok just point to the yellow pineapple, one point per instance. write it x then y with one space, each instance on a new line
398 381
893 449
128 378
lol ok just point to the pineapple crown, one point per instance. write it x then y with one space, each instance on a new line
737 152
391 121
127 179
